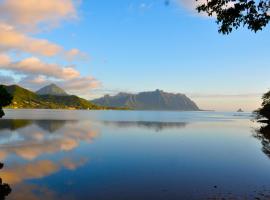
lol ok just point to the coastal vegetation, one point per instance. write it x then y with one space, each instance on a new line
23 98
263 113
5 99
263 116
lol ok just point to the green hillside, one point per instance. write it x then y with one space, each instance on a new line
23 98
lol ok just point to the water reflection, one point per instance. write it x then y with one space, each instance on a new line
263 134
36 192
47 125
33 138
157 126
33 146
52 125
14 124
57 159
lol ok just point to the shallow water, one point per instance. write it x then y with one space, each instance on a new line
126 155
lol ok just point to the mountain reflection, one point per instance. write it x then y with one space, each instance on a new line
14 124
157 126
263 134
47 125
52 125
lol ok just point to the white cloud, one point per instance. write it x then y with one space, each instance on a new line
80 85
14 40
34 65
36 74
40 79
32 14
33 82
74 54
4 59
191 4
10 39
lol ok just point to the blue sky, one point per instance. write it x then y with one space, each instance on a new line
135 45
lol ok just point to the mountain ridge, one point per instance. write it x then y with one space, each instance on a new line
151 100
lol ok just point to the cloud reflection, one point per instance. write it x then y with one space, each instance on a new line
25 191
17 173
34 138
35 149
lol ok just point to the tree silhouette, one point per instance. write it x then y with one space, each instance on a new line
5 99
231 14
264 111
5 189
263 134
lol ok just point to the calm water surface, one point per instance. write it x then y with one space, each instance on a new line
128 155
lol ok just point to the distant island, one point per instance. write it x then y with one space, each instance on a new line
154 100
49 97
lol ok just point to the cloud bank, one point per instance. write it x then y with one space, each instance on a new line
20 21
37 73
36 14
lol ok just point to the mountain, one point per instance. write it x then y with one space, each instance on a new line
52 89
23 98
155 100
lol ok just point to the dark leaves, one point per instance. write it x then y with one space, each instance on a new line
264 111
231 14
5 189
5 99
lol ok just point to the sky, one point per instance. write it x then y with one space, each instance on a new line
97 47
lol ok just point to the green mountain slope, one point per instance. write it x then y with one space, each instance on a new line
153 100
52 89
23 98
